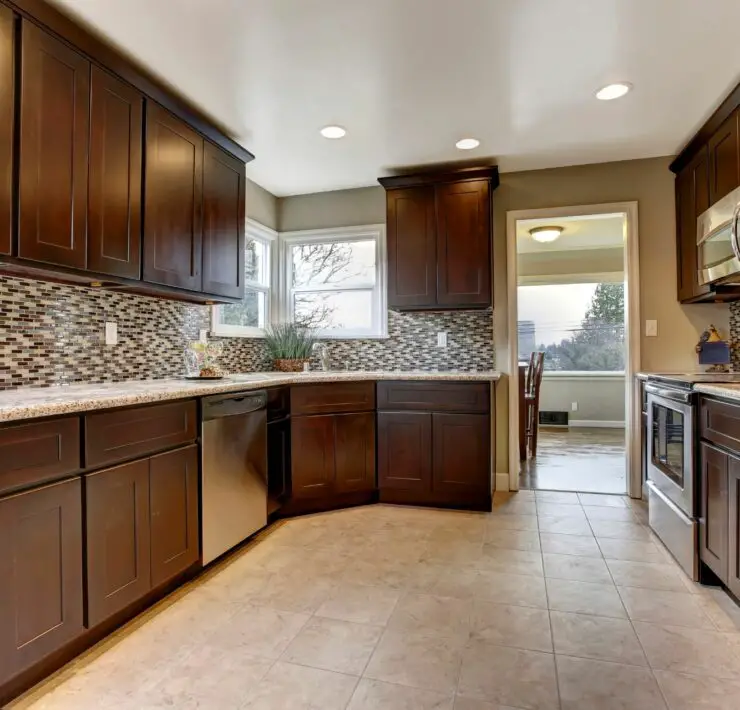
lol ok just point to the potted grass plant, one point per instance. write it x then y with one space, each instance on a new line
289 346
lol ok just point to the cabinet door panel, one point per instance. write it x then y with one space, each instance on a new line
118 539
461 461
224 186
7 126
713 524
405 451
114 228
173 490
278 463
354 452
464 243
55 113
173 239
312 456
411 238
41 573
733 572
724 159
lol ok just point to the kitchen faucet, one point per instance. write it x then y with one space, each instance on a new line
323 352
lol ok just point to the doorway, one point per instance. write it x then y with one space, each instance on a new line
570 302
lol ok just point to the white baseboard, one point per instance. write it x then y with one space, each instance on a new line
595 424
502 481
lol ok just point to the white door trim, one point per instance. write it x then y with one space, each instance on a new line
633 422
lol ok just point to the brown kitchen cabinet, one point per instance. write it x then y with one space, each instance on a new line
733 553
41 594
724 158
7 126
439 239
53 159
405 451
714 521
354 452
461 455
173 222
114 209
224 191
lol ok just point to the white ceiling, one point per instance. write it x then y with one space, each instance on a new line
407 78
579 233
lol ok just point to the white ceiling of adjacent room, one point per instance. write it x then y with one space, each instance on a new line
408 79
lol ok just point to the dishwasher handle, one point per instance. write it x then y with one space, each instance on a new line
232 405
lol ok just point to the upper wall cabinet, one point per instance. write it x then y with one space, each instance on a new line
724 159
439 239
173 225
54 125
114 212
7 127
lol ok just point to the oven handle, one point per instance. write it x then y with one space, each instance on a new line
675 395
734 237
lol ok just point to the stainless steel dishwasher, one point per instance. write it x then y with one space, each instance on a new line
234 470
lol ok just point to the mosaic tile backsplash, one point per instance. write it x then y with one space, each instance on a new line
54 334
735 335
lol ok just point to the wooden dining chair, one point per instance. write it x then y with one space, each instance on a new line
532 400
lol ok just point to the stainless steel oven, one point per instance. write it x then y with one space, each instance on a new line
718 241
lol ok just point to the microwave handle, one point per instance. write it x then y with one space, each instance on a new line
734 235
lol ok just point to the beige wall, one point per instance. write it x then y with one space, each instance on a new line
324 210
600 398
262 206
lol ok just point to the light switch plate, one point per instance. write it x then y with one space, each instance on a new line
203 335
651 328
442 339
111 333
574 406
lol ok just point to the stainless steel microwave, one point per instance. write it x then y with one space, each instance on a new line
718 241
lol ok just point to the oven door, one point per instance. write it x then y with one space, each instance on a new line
670 446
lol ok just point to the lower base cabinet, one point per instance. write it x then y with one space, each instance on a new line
142 528
41 581
713 521
733 572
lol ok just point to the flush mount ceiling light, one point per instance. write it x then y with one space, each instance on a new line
613 91
333 132
467 143
545 234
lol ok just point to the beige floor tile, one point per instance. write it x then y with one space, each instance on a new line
433 615
455 552
579 545
509 522
495 559
602 500
556 497
649 575
360 604
694 651
720 608
564 525
688 692
294 592
584 569
417 660
516 626
470 529
597 685
301 688
622 515
443 580
333 645
630 550
515 540
660 607
560 510
620 531
514 507
376 572
470 704
509 676
517 589
584 598
596 637
376 695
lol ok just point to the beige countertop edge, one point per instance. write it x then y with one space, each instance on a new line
719 390
34 402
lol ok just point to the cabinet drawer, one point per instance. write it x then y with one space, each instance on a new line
719 422
330 398
39 452
472 397
124 434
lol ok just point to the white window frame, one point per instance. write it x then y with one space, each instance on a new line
269 237
375 232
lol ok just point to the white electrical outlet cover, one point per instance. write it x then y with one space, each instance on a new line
203 335
442 339
111 333
651 328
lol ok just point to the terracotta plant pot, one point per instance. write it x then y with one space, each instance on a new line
290 365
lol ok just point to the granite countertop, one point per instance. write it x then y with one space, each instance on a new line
31 402
729 391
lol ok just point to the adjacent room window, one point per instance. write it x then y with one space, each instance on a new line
579 326
250 317
334 281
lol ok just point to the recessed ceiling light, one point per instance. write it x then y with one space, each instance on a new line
545 234
467 143
613 91
333 132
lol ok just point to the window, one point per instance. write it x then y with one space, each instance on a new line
579 326
250 317
334 281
